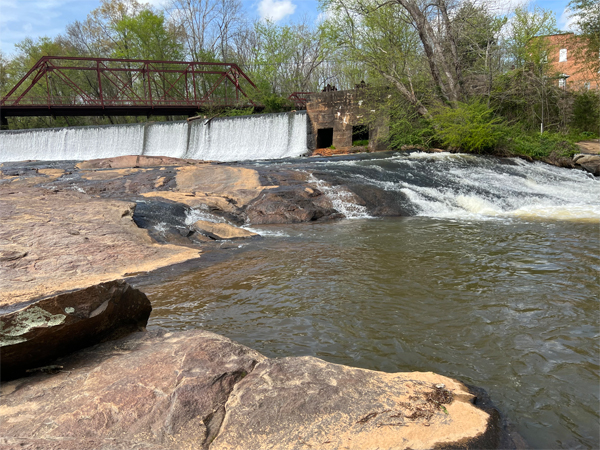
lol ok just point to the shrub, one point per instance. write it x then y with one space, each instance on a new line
520 142
470 127
586 111
408 128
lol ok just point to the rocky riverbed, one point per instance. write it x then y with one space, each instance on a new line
72 233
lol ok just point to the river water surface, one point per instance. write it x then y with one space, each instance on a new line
510 304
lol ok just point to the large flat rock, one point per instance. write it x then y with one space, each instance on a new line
54 241
199 390
159 391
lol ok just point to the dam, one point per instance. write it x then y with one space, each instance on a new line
264 136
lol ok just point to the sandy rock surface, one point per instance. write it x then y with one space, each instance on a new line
55 241
221 230
199 390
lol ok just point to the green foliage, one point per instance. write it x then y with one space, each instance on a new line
273 103
587 18
517 141
408 128
144 36
526 25
232 112
360 143
470 127
586 111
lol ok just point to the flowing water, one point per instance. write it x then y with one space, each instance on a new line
492 280
264 136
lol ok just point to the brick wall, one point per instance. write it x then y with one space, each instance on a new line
573 49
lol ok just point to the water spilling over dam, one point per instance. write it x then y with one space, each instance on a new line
266 136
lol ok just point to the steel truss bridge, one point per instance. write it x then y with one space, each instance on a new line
73 86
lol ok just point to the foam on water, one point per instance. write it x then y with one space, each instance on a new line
193 215
265 136
77 143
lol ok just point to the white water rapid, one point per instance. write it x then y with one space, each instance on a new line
460 186
265 136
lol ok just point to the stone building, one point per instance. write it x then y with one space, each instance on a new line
340 118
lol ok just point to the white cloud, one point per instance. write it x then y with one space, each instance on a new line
275 10
566 21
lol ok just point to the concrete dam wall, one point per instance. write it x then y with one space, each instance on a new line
265 136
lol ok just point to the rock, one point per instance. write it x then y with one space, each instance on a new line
12 253
589 147
121 162
39 332
69 240
591 163
199 390
154 390
290 204
221 231
298 403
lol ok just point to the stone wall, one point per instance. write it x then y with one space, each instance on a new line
332 116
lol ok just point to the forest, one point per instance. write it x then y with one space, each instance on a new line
455 74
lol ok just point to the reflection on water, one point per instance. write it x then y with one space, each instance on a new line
508 306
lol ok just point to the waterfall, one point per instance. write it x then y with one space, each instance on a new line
268 136
265 136
77 143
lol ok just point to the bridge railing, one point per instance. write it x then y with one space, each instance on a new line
104 83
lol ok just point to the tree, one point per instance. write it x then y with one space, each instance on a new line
525 26
208 26
144 36
394 36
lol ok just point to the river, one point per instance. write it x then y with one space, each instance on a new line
492 280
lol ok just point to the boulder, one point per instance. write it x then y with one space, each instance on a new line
199 390
591 163
52 242
290 204
37 333
221 231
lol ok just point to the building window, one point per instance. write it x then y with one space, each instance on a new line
562 55
587 85
562 83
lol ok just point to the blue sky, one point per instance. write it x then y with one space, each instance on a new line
20 19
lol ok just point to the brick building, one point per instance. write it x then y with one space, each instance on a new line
567 65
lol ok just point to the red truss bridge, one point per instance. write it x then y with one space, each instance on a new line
72 86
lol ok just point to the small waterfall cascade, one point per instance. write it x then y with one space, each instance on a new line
461 186
264 136
341 199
